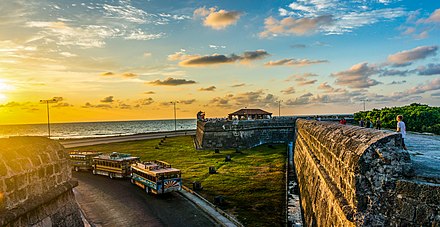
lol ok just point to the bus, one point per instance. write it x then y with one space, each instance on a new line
156 177
114 165
82 160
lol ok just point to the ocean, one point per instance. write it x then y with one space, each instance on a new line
95 129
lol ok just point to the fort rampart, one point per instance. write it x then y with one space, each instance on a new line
352 176
35 184
244 133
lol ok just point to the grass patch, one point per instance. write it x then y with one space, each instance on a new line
253 183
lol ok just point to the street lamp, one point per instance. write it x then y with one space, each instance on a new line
175 118
364 100
47 101
279 108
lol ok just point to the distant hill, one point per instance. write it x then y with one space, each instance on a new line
417 117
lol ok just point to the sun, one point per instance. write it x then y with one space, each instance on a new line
4 87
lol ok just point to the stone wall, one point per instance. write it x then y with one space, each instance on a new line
243 134
35 184
352 176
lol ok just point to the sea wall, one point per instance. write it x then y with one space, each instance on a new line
243 134
35 184
352 176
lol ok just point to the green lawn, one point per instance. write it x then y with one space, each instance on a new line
253 183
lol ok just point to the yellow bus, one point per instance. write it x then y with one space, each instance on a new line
82 160
114 165
157 177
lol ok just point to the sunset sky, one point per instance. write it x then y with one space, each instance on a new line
123 60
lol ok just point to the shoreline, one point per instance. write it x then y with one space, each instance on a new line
115 139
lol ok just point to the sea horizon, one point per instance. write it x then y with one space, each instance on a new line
76 130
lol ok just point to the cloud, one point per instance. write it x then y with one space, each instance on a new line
124 106
338 97
149 92
178 56
62 104
108 99
430 69
123 75
216 46
171 82
129 75
294 62
407 57
288 91
329 89
99 106
145 102
339 17
358 76
394 72
298 46
214 59
187 102
301 100
303 81
107 74
428 86
397 82
217 19
210 88
141 35
298 77
436 94
239 85
247 99
292 26
433 18
147 54
420 28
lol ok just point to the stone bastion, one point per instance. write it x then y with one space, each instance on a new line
353 176
35 184
226 134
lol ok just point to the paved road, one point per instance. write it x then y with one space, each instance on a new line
108 202
104 140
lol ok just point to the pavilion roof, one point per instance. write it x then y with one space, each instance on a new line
250 112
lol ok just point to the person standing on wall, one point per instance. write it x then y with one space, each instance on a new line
343 121
401 128
378 123
361 122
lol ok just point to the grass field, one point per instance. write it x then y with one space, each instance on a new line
253 183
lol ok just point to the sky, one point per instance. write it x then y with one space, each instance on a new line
110 60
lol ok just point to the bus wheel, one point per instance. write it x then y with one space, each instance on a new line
76 168
147 189
110 175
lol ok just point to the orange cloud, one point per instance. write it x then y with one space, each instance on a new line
217 19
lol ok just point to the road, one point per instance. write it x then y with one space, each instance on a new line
113 202
114 139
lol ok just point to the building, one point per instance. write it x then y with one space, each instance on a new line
249 114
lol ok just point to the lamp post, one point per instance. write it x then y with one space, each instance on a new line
47 101
175 118
364 100
279 108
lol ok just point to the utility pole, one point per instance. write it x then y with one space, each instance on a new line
364 100
47 101
279 108
175 117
